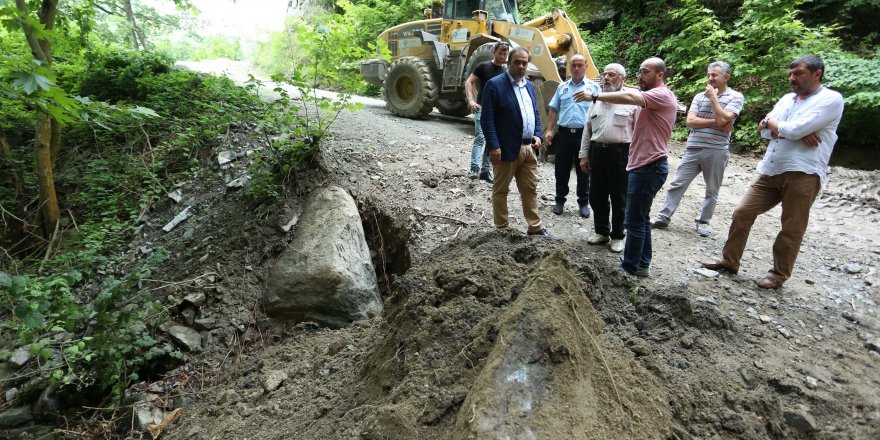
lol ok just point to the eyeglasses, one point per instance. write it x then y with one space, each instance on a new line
643 71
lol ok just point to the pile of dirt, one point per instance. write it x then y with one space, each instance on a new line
494 335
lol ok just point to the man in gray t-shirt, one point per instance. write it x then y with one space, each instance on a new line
710 119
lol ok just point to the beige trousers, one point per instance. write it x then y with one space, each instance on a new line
796 191
525 170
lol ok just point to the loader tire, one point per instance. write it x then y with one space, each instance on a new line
410 89
449 107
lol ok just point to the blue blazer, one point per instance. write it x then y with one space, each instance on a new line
501 119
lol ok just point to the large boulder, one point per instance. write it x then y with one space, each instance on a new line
326 275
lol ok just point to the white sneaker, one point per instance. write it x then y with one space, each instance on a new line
597 239
617 245
703 229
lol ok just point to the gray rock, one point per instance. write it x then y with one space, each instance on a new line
188 315
48 401
273 379
812 382
708 273
197 299
326 275
15 416
800 421
205 323
188 338
11 394
852 268
181 216
144 413
20 356
765 319
784 332
240 182
224 157
873 345
176 195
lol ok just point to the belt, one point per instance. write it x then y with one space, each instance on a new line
607 145
571 130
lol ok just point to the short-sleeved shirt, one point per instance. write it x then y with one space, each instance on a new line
486 71
572 114
653 128
712 138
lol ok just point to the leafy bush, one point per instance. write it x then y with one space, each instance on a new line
855 78
115 76
105 342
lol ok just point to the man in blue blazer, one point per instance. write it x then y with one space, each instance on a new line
512 128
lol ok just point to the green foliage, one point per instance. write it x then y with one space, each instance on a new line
299 117
856 79
115 76
105 342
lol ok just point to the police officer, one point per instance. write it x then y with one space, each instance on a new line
571 118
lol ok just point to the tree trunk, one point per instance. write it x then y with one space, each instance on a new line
137 34
43 154
48 137
14 175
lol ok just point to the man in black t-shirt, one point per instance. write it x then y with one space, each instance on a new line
483 73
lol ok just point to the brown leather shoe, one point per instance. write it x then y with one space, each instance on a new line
769 283
719 265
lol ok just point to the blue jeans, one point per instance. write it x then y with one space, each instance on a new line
477 148
643 184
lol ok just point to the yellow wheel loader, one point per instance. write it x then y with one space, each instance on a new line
432 58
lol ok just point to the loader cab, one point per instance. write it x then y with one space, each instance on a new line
499 10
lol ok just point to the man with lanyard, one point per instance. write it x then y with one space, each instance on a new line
604 152
647 165
482 74
513 132
571 116
710 119
802 129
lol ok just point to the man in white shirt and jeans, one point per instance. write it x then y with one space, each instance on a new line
802 131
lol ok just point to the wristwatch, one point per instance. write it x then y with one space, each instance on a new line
595 96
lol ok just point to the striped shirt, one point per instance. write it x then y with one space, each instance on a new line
712 138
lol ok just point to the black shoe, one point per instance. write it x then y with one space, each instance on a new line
541 233
484 175
585 211
557 209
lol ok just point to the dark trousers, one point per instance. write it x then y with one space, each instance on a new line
567 145
643 185
608 182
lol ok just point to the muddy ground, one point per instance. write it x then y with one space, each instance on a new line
490 334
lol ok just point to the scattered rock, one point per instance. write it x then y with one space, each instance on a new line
852 316
800 421
852 268
176 195
289 225
708 273
183 215
48 401
873 345
784 331
188 338
224 157
15 416
205 324
20 356
812 382
240 182
765 319
11 394
639 347
197 299
273 379
144 413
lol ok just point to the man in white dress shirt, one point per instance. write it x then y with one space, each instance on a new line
802 131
